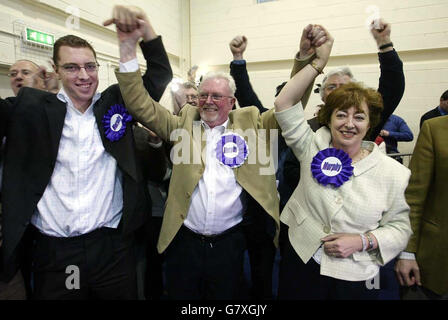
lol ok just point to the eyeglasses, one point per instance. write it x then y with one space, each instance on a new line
215 97
25 72
333 86
192 97
74 68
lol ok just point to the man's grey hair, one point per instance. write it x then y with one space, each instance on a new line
220 75
342 71
189 85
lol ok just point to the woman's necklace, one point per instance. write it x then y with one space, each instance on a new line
361 155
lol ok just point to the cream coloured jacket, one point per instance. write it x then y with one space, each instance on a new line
371 200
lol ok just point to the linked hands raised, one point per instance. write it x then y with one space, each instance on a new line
125 18
322 46
313 36
131 25
315 40
128 21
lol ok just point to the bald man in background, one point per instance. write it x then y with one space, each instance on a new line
26 73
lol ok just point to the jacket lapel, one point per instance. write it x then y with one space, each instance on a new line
374 157
123 149
198 141
56 111
231 128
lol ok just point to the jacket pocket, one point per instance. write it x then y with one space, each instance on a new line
297 211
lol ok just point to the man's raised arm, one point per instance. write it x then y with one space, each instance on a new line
137 100
392 82
312 37
298 85
158 70
244 93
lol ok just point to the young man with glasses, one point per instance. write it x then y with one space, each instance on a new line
72 176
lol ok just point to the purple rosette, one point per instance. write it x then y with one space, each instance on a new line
232 150
114 122
332 166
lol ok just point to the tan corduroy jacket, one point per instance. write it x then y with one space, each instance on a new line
251 176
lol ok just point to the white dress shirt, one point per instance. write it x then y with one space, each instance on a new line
85 190
216 203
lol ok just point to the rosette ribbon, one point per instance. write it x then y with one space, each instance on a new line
332 166
114 122
232 150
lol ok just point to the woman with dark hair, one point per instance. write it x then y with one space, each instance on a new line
348 214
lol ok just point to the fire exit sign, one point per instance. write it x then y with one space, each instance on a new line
39 37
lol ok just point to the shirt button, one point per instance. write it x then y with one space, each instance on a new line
338 200
327 229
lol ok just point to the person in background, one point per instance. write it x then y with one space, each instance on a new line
26 73
440 110
186 92
393 131
421 269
